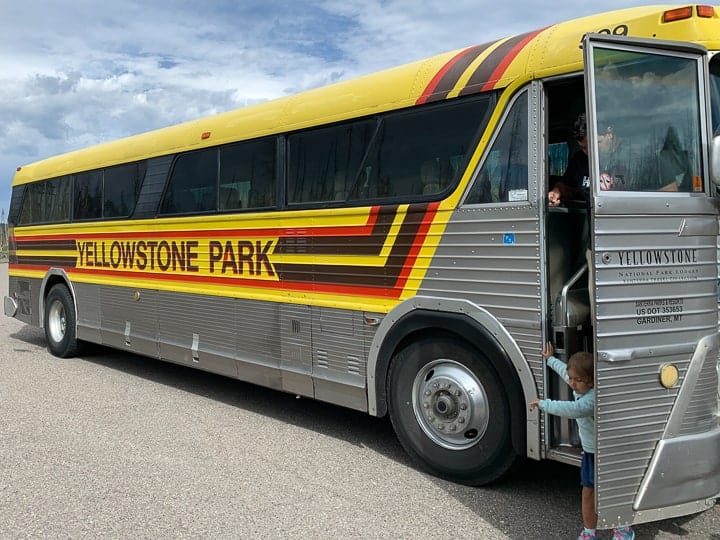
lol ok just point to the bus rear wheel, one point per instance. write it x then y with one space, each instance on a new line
60 322
450 412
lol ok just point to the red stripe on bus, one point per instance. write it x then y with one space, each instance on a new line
349 290
432 86
416 245
505 62
339 230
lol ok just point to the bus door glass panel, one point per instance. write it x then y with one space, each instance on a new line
648 118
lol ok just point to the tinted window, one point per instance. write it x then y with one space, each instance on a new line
422 152
503 176
16 204
247 175
324 163
88 195
558 154
47 202
121 188
193 184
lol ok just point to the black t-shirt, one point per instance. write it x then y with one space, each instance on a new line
577 174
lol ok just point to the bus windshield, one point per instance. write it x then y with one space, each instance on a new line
648 121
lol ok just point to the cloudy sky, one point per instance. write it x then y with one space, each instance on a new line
79 72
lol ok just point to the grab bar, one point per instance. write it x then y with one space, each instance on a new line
566 289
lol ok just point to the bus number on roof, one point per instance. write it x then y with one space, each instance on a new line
619 30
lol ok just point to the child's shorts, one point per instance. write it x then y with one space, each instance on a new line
587 470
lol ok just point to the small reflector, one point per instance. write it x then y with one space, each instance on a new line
705 11
669 375
677 14
205 135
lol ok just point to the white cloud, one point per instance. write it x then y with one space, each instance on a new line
81 72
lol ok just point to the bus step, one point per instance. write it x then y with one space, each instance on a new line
565 454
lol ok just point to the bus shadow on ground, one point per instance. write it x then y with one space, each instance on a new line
30 335
542 500
534 500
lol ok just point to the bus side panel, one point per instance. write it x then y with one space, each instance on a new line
87 300
340 350
314 352
294 341
129 319
491 256
198 331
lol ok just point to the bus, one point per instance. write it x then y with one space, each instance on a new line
386 244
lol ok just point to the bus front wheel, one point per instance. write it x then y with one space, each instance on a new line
449 410
60 324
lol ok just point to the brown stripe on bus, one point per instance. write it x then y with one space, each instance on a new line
451 72
485 70
385 276
371 244
44 245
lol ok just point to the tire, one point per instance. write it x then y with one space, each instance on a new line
450 412
60 322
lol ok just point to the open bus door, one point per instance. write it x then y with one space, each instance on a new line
654 227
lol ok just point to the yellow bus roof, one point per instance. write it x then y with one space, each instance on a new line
553 50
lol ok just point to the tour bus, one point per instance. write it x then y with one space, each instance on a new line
386 244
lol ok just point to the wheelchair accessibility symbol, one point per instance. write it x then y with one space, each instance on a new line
509 239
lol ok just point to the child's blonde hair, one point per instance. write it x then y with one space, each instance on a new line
583 364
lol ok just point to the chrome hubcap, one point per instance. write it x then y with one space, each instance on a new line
450 404
57 322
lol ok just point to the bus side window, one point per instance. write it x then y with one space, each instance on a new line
418 152
503 176
193 184
121 187
247 174
47 201
88 195
318 159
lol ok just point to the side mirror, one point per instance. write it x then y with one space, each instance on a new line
715 160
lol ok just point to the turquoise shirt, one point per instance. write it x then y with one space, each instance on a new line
582 409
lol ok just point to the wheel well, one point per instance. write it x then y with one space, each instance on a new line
424 323
50 281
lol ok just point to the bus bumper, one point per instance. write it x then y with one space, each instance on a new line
682 470
10 306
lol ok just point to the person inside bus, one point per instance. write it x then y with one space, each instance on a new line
613 158
674 164
579 375
669 171
573 188
575 182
